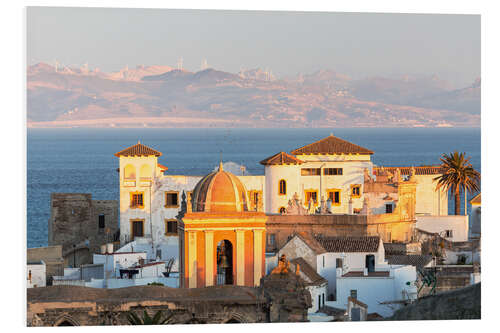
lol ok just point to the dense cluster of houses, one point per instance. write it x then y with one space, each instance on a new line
360 236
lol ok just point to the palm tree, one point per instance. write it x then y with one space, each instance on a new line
458 176
147 320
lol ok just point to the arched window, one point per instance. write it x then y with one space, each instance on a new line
282 187
282 210
145 172
129 172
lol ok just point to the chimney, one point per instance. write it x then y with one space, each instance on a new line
103 248
109 248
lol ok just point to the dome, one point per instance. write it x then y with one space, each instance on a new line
220 191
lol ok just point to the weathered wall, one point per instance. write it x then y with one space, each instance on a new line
74 224
51 256
75 305
462 303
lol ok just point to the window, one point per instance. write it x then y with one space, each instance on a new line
449 233
354 293
282 190
332 171
389 237
170 227
311 195
101 221
356 191
388 208
171 199
137 228
271 240
282 210
338 263
323 261
334 196
256 200
310 171
136 200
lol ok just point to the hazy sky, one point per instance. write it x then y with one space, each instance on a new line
357 44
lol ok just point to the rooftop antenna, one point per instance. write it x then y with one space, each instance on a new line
179 63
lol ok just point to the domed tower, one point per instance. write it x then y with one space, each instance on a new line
220 191
221 242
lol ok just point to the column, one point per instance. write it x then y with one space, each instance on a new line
240 257
192 260
257 256
209 258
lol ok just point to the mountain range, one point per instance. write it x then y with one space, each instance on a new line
162 96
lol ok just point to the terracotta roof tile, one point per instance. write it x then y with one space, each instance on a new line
309 272
350 244
416 260
138 150
162 167
309 241
280 159
419 170
331 145
476 200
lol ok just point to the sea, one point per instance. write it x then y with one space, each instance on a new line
82 160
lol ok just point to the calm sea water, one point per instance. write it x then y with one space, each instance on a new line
82 160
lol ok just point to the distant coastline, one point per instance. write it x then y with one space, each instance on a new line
185 122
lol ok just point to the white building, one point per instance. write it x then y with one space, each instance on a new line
475 217
355 267
118 270
454 228
36 274
330 169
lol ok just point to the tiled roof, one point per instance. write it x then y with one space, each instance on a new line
349 244
416 260
476 200
419 170
138 150
280 159
309 241
312 275
370 274
331 145
162 167
394 248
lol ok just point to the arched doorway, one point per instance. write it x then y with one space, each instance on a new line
65 323
224 262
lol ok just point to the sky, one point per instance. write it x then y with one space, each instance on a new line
287 43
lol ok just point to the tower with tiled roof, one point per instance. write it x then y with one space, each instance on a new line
282 181
138 169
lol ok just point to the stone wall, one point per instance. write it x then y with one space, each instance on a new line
74 224
279 299
51 256
462 303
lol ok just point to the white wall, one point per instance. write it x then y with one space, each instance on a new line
355 261
372 290
38 275
113 262
428 200
273 174
439 224
317 291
